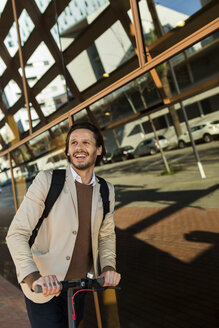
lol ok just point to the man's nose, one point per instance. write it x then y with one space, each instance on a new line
79 146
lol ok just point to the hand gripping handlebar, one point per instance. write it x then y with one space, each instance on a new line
95 284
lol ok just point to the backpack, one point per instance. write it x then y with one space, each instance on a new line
57 184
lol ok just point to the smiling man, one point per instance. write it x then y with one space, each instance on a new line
82 151
73 240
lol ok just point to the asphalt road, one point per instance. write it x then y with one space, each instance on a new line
139 182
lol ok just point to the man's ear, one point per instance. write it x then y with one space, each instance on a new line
99 150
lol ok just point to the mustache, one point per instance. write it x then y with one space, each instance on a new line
80 152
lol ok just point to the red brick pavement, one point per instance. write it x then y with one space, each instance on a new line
170 266
12 307
167 232
169 261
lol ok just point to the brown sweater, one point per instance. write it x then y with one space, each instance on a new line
81 261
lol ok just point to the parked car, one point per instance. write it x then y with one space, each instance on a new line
106 159
150 146
203 132
123 153
5 183
55 161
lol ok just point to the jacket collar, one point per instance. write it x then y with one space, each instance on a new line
71 186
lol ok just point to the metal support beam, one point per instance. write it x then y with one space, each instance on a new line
13 182
22 67
138 33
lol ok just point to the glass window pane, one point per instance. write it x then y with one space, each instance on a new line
53 96
114 47
7 133
1 115
2 66
48 141
21 155
34 117
42 4
22 121
59 133
11 41
2 5
38 64
81 116
26 26
82 71
197 64
12 93
40 144
23 177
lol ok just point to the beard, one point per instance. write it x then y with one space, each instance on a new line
83 166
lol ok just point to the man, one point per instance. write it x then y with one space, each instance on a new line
72 240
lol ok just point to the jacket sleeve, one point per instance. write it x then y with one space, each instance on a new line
107 237
23 224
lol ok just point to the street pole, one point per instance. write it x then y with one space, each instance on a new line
201 170
160 148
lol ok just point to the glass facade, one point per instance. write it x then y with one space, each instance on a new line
112 63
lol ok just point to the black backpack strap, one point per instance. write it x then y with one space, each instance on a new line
104 191
57 184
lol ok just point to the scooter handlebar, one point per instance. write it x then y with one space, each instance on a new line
82 283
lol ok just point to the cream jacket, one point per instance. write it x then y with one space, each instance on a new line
54 244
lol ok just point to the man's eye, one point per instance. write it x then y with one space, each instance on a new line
74 143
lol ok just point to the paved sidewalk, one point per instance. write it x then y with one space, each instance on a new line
170 267
12 307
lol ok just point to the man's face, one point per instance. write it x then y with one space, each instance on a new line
82 149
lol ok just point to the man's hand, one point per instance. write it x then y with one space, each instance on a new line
111 278
50 285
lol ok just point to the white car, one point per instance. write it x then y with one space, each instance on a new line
205 131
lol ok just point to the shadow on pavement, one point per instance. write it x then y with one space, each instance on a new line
159 290
181 198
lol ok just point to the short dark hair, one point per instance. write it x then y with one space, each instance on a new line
97 135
